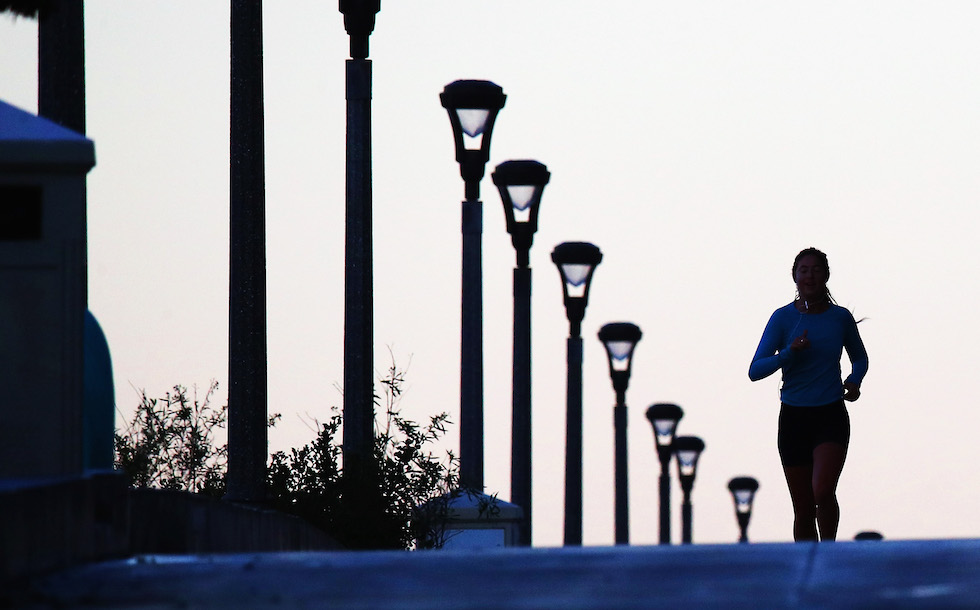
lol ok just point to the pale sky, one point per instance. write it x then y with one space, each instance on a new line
700 145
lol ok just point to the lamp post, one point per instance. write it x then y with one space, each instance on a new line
576 263
743 493
359 467
248 446
664 417
521 184
472 106
60 60
688 450
620 339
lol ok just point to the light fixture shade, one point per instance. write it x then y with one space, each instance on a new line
472 106
576 262
521 184
359 18
743 493
688 450
620 338
664 417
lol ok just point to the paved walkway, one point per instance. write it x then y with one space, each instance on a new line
870 574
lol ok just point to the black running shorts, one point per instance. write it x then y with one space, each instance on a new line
801 429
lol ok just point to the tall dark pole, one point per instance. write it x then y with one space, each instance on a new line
521 184
520 462
622 473
464 99
471 342
573 440
359 466
687 450
664 418
61 64
576 263
61 98
686 516
620 339
247 352
664 496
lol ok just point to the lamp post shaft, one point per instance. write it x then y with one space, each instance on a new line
622 474
61 64
358 286
664 503
573 445
471 347
743 526
520 472
686 518
247 374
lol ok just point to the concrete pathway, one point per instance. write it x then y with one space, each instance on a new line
868 574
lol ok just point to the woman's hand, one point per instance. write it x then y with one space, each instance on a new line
851 391
800 343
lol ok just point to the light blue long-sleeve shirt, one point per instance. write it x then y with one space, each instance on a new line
811 377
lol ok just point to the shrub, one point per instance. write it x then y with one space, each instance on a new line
379 513
173 443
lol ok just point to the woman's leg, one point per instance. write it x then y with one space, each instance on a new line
828 461
800 482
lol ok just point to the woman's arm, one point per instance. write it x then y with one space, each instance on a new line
856 353
768 358
763 367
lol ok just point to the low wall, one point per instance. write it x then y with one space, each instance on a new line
47 525
165 521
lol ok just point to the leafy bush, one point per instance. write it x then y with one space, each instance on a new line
25 8
172 443
382 513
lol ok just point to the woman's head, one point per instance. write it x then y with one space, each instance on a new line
810 273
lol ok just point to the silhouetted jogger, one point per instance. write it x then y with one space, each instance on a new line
805 340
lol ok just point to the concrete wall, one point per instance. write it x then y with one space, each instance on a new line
47 525
165 521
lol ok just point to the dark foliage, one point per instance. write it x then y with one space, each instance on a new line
25 8
383 510
173 443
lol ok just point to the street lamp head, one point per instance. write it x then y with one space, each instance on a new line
620 339
664 417
743 493
359 16
687 449
576 261
868 535
521 184
473 106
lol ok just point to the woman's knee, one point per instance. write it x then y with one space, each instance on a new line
828 463
805 514
825 493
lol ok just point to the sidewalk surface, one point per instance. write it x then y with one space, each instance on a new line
867 574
